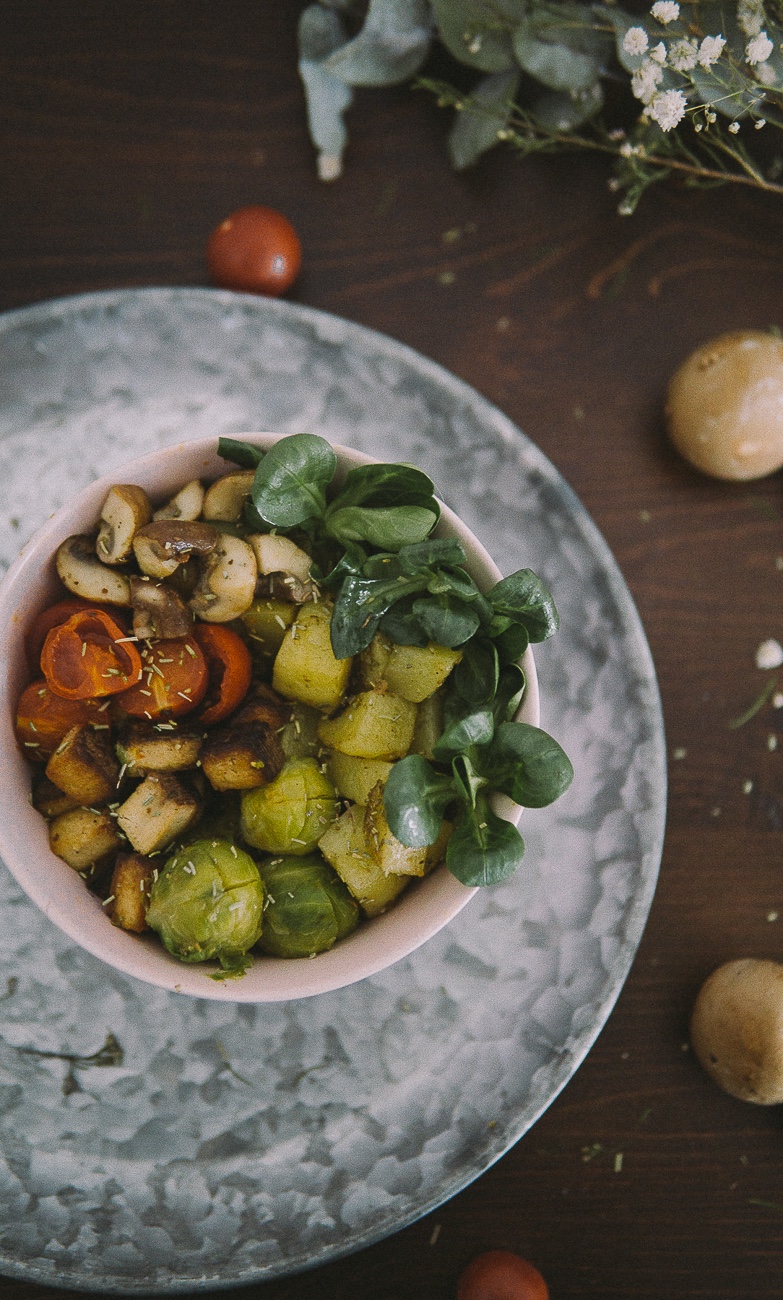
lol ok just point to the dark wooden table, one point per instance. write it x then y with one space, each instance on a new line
126 133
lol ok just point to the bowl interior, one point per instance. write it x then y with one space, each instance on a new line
29 586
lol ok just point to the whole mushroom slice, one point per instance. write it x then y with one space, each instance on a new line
226 497
158 611
162 546
126 508
80 570
186 504
228 581
286 565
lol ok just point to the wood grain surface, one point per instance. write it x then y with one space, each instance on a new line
126 133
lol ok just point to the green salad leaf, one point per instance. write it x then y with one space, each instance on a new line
388 573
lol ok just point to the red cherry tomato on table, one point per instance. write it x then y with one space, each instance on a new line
173 680
501 1275
255 249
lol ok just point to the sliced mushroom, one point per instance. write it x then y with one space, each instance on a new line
228 581
126 508
158 611
285 565
161 546
226 498
187 503
81 571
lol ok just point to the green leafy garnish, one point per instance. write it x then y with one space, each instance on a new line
389 574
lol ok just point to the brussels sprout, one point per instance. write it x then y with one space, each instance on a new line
291 813
207 904
307 907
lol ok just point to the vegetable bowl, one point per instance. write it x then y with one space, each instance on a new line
214 818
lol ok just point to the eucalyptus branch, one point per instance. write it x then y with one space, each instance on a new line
705 77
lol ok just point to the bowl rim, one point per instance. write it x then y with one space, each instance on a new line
29 585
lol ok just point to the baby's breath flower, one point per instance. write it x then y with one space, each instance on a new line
751 16
765 73
658 53
734 127
684 55
759 49
644 82
762 122
710 50
665 11
635 40
668 108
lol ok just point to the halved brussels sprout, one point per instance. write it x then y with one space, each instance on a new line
291 813
207 904
307 907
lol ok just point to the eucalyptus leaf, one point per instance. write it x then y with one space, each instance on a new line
475 33
554 65
486 112
483 848
391 46
415 798
561 112
326 97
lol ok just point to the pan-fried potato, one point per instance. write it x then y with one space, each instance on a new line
305 667
375 724
344 845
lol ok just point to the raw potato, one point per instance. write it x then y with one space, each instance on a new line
737 1029
725 406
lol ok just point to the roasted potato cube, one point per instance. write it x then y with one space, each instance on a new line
50 800
299 736
305 668
241 756
264 625
129 891
428 727
353 777
159 810
392 856
410 671
83 838
375 724
345 847
146 749
84 766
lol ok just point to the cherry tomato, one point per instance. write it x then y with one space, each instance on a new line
255 249
43 718
53 617
173 681
89 655
501 1275
230 670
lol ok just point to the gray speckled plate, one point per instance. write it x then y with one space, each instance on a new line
234 1143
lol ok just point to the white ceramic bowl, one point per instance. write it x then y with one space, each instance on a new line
30 586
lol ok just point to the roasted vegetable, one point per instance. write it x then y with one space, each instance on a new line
291 814
158 812
207 904
307 907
